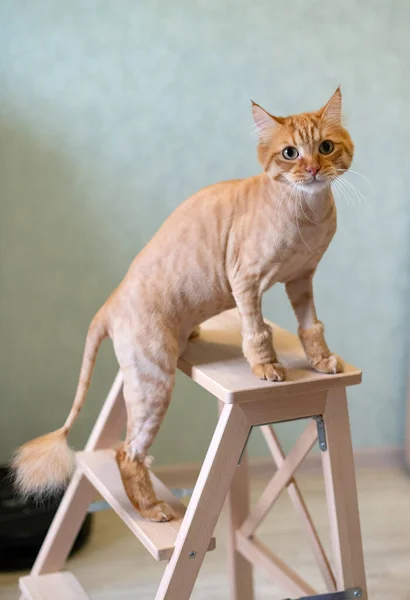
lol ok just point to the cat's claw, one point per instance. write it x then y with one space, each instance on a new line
160 513
331 365
270 371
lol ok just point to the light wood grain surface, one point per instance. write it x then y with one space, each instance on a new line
205 505
341 491
115 565
63 586
80 492
206 359
295 496
280 480
159 538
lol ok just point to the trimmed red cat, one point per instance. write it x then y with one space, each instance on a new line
223 247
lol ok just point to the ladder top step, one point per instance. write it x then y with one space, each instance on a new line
102 471
63 586
216 362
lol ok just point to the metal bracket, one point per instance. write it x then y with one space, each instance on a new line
350 594
321 432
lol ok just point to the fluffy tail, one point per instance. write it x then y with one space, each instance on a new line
44 465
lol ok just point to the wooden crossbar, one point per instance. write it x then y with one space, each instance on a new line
298 502
280 480
274 567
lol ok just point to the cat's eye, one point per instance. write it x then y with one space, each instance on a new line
290 153
326 147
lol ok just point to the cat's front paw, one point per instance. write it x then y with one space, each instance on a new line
270 371
331 364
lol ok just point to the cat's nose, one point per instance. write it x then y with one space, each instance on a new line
313 170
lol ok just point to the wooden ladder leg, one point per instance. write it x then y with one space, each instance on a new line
238 504
341 491
240 571
205 505
73 507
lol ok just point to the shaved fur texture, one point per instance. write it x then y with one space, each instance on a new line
223 247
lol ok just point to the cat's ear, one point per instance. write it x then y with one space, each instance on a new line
332 111
265 123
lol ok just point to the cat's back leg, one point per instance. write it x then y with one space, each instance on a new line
148 362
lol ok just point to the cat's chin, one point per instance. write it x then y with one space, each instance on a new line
314 186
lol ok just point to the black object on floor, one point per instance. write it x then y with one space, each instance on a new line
23 527
346 595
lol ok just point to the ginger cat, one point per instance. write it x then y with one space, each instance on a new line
222 248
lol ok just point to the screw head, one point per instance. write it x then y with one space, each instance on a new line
322 446
357 593
192 554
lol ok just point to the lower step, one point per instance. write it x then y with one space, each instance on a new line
56 586
102 471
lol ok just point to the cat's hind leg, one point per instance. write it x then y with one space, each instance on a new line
149 373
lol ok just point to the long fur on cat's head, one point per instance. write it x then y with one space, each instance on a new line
307 150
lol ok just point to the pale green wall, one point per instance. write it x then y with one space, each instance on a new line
111 113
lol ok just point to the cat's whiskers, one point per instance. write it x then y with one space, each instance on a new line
356 173
358 194
334 180
309 205
339 183
344 193
301 206
349 191
285 195
331 181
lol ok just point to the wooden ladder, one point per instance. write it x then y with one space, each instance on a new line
215 361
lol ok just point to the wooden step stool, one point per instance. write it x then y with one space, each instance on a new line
215 361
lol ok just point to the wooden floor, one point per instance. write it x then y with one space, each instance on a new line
115 565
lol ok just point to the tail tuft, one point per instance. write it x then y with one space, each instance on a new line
43 466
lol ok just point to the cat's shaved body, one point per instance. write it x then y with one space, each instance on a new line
223 247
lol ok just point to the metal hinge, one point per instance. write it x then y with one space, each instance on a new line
321 432
350 594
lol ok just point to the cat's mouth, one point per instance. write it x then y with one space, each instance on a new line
312 184
319 178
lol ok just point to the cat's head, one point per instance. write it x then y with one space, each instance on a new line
307 150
